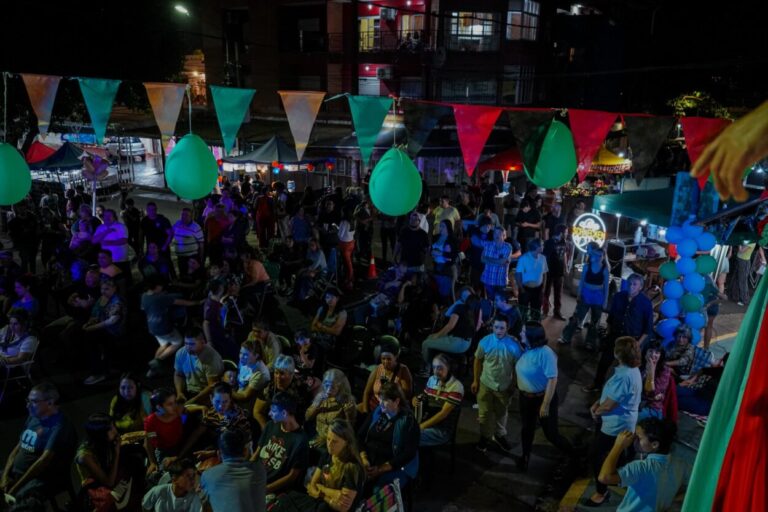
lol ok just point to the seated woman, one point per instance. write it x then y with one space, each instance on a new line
456 335
329 321
333 402
695 394
17 344
439 403
130 406
102 330
223 414
155 263
316 265
657 377
284 380
310 359
24 298
252 375
99 466
389 440
337 483
283 446
680 355
164 429
389 370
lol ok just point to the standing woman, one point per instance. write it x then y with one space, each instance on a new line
347 247
444 252
537 381
617 408
592 295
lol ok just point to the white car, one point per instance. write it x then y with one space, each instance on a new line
125 147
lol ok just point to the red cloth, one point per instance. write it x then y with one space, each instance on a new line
162 435
744 474
589 128
699 132
474 124
670 401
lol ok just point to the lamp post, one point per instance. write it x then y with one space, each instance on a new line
618 223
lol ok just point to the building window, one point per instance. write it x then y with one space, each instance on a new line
469 90
310 83
517 87
370 33
368 86
473 32
411 28
411 87
522 20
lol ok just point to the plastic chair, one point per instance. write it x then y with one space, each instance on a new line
24 373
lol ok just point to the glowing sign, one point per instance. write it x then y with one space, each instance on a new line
588 227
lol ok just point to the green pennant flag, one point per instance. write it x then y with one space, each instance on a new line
231 105
99 95
368 113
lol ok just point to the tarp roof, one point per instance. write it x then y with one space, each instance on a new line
38 152
66 158
274 150
655 206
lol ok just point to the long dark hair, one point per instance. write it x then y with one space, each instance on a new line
125 407
97 429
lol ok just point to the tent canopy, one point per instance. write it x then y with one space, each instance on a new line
66 158
655 206
38 152
606 161
274 150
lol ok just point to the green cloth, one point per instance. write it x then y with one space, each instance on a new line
651 205
231 106
368 114
99 95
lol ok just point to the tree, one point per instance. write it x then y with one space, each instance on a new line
698 103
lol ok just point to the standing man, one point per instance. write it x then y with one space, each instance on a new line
131 217
494 366
113 237
554 251
47 444
528 222
631 314
24 229
530 274
449 175
237 484
156 228
412 244
551 220
496 257
363 218
189 240
446 212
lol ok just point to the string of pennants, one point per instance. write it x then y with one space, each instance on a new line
474 123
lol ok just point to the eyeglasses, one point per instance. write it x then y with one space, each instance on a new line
31 401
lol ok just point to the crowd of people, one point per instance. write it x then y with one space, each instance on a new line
246 412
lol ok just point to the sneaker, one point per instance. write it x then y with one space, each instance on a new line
94 379
502 443
482 445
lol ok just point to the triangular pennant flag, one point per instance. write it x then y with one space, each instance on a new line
474 124
231 105
368 114
589 128
166 100
645 135
301 108
99 95
525 122
419 120
42 93
698 133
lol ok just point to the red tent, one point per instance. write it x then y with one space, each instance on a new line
38 152
509 160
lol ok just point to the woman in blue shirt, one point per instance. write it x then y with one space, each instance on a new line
592 295
617 408
537 382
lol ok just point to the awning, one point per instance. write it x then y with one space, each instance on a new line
654 206
274 150
38 152
609 162
66 158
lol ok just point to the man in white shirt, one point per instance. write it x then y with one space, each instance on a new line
113 237
531 270
188 236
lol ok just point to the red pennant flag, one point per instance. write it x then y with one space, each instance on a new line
699 132
589 128
474 124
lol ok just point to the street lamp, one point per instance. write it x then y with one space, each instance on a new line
181 9
618 222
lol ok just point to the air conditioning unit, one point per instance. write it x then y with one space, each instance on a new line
388 14
384 73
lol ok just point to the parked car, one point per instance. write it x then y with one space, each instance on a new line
125 147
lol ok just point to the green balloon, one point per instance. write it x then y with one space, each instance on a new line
705 264
691 302
395 184
555 164
669 271
15 179
191 169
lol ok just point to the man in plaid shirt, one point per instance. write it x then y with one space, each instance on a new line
496 256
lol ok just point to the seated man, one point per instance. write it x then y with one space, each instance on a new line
177 496
78 309
291 259
315 266
46 445
652 482
237 483
198 368
456 335
283 447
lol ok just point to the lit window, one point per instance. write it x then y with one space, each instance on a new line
473 31
522 20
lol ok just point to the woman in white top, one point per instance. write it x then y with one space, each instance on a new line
347 248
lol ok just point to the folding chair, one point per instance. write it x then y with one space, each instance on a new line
24 372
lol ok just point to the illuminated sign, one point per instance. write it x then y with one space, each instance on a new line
588 227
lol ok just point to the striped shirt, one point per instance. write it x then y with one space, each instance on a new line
188 238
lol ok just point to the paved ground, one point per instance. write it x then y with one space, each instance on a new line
480 482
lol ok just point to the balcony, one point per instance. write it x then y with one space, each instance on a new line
406 41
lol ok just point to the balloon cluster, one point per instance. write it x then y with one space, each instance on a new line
685 280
